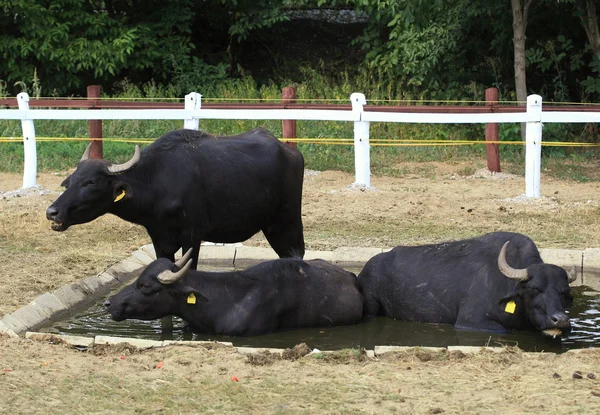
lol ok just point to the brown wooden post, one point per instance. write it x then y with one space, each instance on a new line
491 133
95 126
288 96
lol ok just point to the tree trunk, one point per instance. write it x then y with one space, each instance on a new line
589 21
519 29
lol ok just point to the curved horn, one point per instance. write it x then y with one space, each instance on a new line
572 275
122 168
184 259
507 270
86 153
169 277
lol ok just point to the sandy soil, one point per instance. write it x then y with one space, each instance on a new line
430 203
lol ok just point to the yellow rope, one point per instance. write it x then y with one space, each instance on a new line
387 142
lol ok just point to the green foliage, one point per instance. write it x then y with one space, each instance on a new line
418 38
554 59
591 84
255 14
71 43
228 49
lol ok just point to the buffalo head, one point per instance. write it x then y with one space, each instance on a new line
90 191
542 294
158 292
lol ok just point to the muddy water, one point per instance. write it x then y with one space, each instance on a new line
585 319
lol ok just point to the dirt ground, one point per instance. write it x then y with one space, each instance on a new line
432 202
36 377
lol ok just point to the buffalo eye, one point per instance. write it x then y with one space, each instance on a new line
144 288
534 290
88 183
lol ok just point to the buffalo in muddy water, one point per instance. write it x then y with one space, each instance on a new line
496 282
189 186
275 295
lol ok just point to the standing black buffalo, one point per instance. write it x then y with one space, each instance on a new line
274 295
470 284
189 186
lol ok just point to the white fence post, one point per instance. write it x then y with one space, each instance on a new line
533 146
362 158
30 168
193 101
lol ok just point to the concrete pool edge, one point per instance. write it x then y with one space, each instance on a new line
66 301
88 342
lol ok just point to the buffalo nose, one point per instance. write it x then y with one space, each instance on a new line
51 212
560 320
107 302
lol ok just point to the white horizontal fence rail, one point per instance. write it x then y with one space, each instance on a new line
437 118
534 117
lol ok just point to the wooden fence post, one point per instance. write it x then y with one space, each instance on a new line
288 127
491 133
95 126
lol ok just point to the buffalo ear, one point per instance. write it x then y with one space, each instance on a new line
122 191
66 182
187 290
508 298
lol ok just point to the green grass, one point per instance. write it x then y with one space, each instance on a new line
385 161
562 162
62 155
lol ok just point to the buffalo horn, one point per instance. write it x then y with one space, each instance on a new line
184 259
169 277
507 270
86 153
572 274
121 168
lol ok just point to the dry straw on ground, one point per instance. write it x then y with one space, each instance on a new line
182 379
409 210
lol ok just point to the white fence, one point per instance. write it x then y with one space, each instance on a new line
534 117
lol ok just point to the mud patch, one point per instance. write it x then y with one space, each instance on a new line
295 353
490 175
262 358
47 338
122 349
346 356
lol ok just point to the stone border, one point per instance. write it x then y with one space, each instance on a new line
71 298
87 342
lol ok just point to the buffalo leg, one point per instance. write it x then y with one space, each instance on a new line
163 250
166 323
163 254
286 237
463 323
188 240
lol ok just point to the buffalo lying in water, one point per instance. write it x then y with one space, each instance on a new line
470 284
275 295
189 186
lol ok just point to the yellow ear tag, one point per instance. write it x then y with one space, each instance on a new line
510 307
121 196
191 299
